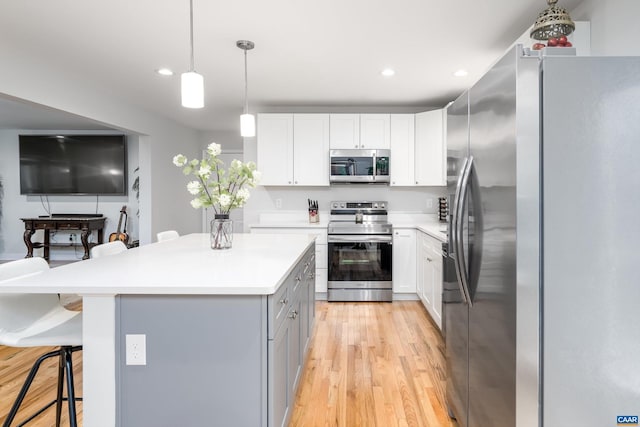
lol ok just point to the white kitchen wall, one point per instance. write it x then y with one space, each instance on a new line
231 141
164 204
401 199
614 26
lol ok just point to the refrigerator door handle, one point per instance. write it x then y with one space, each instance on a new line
457 241
460 255
475 244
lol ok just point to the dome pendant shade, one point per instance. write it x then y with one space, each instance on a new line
192 90
554 21
247 125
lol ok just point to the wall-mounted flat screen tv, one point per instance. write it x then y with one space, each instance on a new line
73 164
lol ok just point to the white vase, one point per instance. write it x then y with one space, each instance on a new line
221 232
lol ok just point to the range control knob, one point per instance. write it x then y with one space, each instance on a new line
342 205
334 206
381 205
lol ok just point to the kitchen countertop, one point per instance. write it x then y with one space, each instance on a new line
432 228
292 224
256 265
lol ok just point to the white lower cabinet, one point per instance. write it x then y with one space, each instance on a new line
322 275
404 261
429 275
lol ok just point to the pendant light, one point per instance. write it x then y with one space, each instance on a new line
247 121
192 82
554 21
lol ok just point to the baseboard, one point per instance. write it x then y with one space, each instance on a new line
322 296
405 297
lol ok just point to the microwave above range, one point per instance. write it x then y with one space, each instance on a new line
359 166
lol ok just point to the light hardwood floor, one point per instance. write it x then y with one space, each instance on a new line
15 364
369 364
373 364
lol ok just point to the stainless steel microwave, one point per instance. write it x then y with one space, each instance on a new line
359 166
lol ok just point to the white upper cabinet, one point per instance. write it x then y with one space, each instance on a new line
402 149
350 131
293 149
311 149
344 131
375 131
275 148
430 148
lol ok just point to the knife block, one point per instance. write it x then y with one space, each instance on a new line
443 209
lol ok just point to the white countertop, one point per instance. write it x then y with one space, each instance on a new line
434 230
256 265
293 224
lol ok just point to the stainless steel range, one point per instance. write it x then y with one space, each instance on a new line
360 252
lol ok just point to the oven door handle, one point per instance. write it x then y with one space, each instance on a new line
358 238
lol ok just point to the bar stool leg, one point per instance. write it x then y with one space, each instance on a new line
61 366
71 396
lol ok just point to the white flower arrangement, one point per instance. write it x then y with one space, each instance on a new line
214 187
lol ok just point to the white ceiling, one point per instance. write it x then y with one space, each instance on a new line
308 53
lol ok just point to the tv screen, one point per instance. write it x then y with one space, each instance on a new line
73 164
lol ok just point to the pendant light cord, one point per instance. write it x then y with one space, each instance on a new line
246 85
191 32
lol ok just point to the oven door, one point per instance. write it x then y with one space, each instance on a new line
360 261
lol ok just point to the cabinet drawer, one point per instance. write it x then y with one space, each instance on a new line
44 225
277 307
65 226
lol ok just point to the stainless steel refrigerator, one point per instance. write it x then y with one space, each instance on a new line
544 170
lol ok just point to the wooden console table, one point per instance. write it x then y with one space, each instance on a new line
84 224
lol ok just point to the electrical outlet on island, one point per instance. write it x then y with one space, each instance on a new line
278 203
429 203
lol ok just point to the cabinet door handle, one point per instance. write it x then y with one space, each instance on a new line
293 314
429 259
295 182
289 182
416 182
284 301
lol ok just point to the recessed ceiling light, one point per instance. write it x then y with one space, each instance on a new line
461 73
388 72
164 72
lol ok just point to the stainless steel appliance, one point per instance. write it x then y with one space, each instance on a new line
359 166
543 158
359 248
450 289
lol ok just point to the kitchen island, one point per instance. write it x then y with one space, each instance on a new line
226 331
